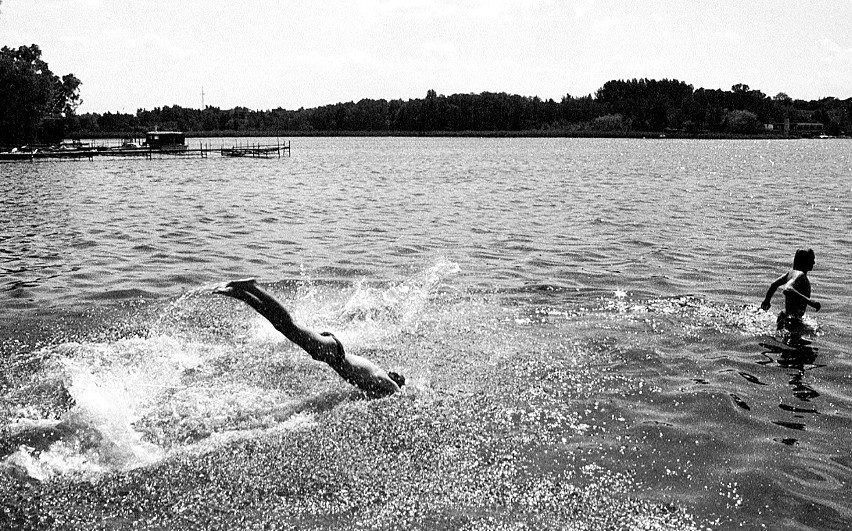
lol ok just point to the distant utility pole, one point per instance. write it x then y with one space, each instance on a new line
202 98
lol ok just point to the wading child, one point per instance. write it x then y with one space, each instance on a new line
797 293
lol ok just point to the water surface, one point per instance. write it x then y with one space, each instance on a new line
577 320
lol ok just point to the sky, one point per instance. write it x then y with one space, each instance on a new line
142 54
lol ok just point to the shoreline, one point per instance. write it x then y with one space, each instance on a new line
460 134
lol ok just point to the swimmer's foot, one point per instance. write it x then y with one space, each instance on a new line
224 289
243 283
231 288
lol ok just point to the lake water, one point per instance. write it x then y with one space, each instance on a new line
577 319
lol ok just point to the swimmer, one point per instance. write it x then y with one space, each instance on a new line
797 293
358 371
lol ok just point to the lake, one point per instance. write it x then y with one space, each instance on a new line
577 319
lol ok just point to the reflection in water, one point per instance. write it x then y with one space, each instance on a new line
799 356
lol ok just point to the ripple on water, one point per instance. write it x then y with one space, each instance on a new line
598 363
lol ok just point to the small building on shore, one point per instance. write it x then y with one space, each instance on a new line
165 140
809 129
805 129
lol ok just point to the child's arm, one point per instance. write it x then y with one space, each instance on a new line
780 281
813 304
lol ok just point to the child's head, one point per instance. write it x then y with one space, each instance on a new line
804 260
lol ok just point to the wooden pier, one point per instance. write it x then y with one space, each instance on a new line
144 152
257 150
147 152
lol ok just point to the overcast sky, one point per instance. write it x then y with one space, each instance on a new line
133 54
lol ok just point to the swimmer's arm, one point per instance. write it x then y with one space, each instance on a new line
368 376
780 281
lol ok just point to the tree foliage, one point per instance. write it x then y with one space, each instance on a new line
619 107
743 122
34 102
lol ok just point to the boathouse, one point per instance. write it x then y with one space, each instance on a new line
165 139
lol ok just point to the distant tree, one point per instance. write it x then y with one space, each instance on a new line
609 122
650 104
740 88
782 99
739 121
34 102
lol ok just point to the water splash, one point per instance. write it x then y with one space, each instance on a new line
111 386
372 315
694 316
206 372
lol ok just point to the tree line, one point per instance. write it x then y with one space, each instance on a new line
619 107
36 105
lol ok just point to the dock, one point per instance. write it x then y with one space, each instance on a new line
256 150
143 152
159 144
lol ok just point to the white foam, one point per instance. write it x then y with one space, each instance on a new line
112 385
370 315
137 400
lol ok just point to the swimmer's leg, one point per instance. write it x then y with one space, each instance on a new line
249 285
248 291
236 290
243 283
235 287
